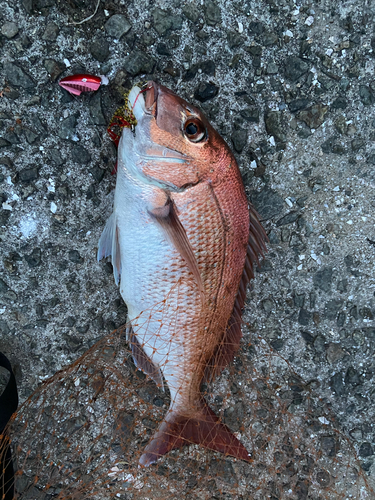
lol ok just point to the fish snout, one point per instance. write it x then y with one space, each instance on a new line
151 94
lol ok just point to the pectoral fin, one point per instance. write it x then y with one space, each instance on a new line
168 219
109 246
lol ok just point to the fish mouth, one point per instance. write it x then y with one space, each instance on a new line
145 100
137 102
144 104
152 92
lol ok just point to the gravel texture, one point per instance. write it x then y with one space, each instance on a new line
290 86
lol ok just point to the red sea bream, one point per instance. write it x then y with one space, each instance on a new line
184 239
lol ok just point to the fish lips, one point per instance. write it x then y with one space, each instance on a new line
163 104
154 93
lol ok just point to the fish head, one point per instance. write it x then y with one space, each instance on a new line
175 144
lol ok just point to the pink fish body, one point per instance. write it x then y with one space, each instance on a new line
183 239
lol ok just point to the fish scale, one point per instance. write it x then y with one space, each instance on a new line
180 237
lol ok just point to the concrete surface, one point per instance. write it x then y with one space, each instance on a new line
290 85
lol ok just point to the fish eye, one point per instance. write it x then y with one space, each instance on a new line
194 130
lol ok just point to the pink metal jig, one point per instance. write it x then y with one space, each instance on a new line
76 84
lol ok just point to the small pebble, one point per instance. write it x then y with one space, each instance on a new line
288 202
9 30
117 26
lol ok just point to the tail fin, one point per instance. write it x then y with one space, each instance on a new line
204 428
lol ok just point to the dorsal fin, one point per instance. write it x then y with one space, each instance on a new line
230 342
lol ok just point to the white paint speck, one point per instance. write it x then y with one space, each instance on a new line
67 63
337 188
51 185
53 207
323 420
28 226
309 21
350 222
138 485
272 141
300 267
6 206
288 33
240 27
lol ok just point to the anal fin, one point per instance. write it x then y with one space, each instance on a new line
143 362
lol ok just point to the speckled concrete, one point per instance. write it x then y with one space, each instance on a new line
290 85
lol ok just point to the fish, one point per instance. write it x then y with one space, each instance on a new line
183 241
